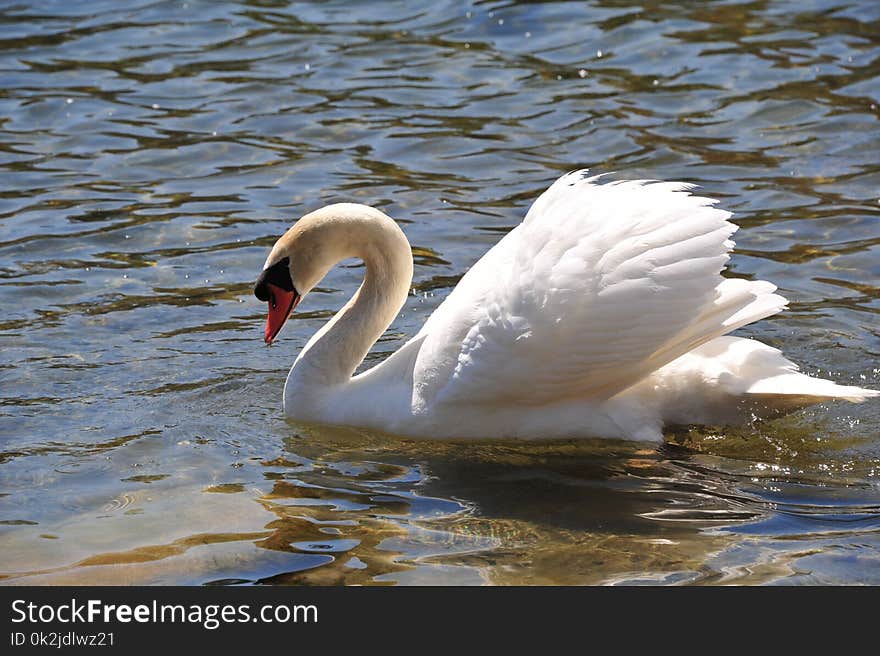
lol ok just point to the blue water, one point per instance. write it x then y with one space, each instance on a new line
151 153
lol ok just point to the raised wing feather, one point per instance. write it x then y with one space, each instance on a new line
600 285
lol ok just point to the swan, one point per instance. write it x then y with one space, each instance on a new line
603 314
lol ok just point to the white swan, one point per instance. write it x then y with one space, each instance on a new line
602 314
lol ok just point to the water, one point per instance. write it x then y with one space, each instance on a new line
153 151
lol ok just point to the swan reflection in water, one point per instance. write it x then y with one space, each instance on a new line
348 506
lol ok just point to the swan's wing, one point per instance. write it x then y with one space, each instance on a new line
600 285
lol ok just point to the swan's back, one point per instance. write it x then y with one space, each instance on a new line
600 285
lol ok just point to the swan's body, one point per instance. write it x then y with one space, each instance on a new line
603 314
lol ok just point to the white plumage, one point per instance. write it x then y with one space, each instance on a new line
599 286
601 314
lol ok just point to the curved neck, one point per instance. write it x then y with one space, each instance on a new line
333 353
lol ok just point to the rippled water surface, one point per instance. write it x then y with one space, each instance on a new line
151 152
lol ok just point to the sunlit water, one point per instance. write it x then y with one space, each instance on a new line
153 151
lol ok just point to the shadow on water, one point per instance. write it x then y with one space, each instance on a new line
341 506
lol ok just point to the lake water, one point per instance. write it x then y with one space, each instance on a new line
151 153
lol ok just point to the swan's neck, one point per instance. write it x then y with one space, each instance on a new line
331 356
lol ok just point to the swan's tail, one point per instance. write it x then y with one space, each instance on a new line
758 378
796 390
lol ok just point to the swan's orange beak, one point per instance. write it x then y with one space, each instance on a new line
281 305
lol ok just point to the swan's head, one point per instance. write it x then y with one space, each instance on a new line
305 253
275 286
